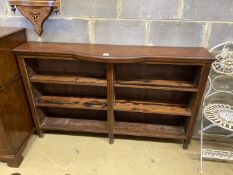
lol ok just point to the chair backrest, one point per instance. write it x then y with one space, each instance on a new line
224 58
220 80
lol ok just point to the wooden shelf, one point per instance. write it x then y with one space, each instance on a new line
149 130
152 107
67 124
177 85
138 84
72 80
72 102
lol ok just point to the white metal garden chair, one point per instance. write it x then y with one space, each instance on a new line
219 114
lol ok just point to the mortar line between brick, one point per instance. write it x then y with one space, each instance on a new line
118 8
206 34
93 31
180 9
91 26
6 7
147 32
155 20
125 19
60 8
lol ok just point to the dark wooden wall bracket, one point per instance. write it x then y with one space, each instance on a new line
36 11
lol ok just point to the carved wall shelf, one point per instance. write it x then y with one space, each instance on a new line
36 11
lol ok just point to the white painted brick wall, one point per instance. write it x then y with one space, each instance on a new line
136 22
215 10
128 32
178 33
149 9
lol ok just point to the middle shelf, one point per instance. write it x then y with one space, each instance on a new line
152 107
119 105
160 84
72 102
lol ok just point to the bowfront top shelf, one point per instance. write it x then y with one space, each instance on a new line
117 54
126 90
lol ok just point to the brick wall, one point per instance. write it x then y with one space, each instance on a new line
137 22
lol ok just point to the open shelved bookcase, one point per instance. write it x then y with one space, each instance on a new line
74 87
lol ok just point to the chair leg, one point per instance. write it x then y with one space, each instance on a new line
208 127
230 135
201 145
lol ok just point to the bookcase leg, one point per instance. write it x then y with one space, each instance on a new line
185 144
41 134
111 140
15 162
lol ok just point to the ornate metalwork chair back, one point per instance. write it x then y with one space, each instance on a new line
218 100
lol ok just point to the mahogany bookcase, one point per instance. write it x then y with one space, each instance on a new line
125 90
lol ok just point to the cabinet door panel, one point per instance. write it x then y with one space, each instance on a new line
8 67
15 114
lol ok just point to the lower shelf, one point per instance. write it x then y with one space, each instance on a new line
66 124
121 128
149 130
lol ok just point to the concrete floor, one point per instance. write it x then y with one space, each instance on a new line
86 155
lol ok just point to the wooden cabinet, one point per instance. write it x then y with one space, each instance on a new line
15 118
125 90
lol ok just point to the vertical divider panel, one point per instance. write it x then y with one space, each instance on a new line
110 101
28 88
